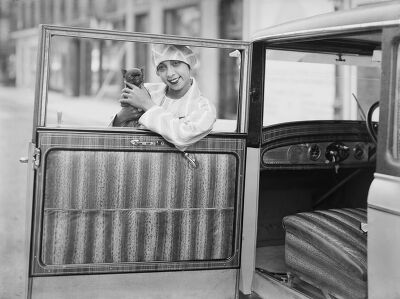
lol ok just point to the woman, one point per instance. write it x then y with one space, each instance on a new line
175 109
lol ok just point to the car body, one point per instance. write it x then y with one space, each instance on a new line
120 213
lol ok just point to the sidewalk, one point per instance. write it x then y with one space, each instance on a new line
16 123
16 114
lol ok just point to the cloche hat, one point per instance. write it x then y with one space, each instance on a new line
182 53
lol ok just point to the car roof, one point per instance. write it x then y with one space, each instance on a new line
366 18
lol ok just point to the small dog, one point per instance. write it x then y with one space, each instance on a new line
134 76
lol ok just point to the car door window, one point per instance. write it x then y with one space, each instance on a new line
85 80
302 86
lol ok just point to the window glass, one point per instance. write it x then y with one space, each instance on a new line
312 86
85 80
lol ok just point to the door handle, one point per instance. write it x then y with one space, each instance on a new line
193 163
138 142
23 160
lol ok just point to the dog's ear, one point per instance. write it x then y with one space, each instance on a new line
123 71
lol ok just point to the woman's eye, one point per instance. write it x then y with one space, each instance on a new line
175 62
161 68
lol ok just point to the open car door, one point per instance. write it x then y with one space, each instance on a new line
383 198
120 212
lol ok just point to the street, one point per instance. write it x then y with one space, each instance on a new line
16 111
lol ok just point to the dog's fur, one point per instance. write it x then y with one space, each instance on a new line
134 76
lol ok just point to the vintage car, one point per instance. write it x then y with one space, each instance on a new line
294 194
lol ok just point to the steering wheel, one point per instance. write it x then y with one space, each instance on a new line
371 126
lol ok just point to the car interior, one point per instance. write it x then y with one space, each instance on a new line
316 169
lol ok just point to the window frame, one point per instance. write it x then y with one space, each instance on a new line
47 32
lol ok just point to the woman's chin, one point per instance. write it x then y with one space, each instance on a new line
176 87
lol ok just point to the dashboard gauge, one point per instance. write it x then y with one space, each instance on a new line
358 151
297 153
314 152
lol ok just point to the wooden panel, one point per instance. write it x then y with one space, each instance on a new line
107 202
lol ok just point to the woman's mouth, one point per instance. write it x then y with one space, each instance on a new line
174 81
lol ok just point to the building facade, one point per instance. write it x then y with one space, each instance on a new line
230 19
203 18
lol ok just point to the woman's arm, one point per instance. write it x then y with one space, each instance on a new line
126 114
181 131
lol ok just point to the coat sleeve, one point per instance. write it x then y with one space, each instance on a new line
181 131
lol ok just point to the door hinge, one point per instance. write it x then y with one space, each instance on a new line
36 158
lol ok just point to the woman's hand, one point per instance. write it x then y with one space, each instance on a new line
136 97
127 113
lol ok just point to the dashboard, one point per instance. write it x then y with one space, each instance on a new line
317 144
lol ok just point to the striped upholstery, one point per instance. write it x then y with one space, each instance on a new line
329 250
123 207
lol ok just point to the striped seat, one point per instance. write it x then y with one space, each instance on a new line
329 250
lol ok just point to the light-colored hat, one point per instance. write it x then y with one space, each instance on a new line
173 52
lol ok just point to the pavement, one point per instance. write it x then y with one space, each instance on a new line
16 123
16 114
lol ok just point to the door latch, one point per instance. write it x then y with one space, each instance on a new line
192 160
36 158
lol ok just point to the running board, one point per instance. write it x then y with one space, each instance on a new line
268 287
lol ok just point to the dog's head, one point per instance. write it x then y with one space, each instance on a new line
133 76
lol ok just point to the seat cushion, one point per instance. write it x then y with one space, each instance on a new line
329 250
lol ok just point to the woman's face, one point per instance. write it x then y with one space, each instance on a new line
176 75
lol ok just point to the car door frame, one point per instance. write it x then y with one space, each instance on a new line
383 196
39 124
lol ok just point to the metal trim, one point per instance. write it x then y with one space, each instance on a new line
327 31
143 37
382 209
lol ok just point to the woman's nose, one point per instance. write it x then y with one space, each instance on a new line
170 71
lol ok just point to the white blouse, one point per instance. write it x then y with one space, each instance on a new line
181 121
